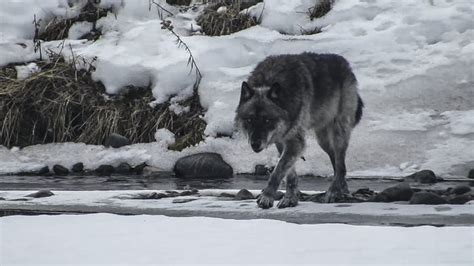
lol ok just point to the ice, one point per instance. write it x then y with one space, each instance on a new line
414 70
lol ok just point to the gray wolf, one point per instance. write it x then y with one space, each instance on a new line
287 96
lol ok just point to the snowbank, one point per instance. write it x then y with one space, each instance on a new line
413 60
137 240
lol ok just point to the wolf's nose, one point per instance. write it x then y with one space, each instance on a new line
256 146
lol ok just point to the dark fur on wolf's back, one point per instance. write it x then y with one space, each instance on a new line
288 95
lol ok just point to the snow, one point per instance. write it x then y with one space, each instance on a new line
164 137
414 70
23 72
79 29
100 239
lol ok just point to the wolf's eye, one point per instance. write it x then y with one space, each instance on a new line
248 120
266 121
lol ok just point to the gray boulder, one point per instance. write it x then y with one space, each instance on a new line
429 198
401 192
60 170
424 177
41 194
203 165
115 140
244 194
77 168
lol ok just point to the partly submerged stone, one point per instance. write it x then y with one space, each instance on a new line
461 189
244 194
424 177
105 170
60 170
41 194
400 192
77 168
429 198
123 168
203 165
460 199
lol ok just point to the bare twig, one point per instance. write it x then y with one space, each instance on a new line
166 24
36 40
159 9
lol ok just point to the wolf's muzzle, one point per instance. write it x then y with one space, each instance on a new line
256 146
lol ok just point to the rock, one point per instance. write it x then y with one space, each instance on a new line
2 198
43 171
152 195
471 174
424 177
115 140
226 195
172 193
41 194
364 194
244 194
182 200
105 170
461 189
400 192
189 192
427 198
261 169
203 165
279 195
123 168
77 168
459 199
116 179
139 168
60 170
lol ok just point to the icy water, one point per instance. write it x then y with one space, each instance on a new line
167 181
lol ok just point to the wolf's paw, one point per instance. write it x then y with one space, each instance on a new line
336 193
288 201
265 201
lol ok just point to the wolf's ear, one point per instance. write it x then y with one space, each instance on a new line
246 92
275 91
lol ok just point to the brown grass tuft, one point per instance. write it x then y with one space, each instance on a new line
320 9
214 23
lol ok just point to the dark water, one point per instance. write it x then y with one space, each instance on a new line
167 181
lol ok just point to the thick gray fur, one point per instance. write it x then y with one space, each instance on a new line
287 96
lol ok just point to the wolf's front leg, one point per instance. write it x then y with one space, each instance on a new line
292 150
292 194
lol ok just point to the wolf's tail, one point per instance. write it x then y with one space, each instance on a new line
360 106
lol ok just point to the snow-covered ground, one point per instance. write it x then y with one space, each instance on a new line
104 239
413 60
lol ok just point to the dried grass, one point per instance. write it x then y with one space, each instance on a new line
58 28
61 104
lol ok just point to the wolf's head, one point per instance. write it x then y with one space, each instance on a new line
260 116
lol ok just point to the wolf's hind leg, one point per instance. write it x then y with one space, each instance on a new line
335 140
291 151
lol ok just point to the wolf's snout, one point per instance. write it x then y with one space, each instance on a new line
256 146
